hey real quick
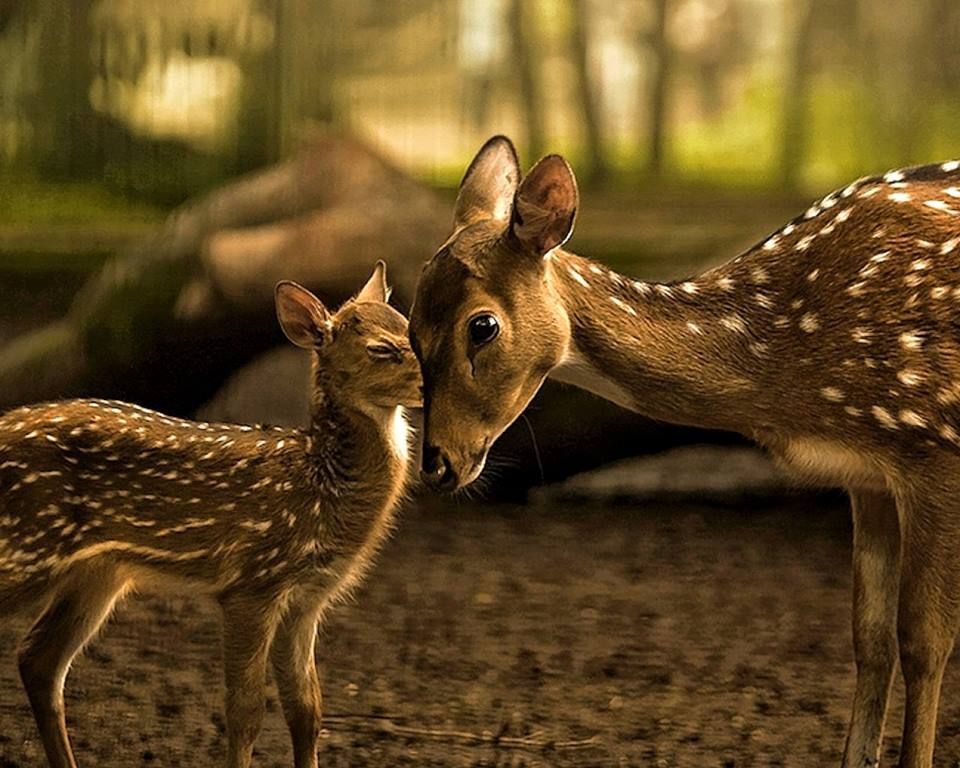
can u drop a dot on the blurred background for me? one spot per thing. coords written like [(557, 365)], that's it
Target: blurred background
[(163, 164), (695, 126)]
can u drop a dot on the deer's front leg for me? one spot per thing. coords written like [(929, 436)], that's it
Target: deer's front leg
[(249, 626), (876, 579), (295, 670)]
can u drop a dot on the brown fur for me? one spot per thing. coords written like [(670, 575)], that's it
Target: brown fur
[(835, 342), (100, 497)]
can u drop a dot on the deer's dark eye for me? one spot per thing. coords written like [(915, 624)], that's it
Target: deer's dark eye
[(483, 329)]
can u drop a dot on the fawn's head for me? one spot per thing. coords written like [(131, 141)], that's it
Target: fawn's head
[(485, 323), (362, 349)]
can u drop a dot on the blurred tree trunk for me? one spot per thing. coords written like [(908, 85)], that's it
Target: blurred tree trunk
[(523, 49), (163, 323), (66, 127), (259, 134), (795, 92), (589, 107), (660, 87)]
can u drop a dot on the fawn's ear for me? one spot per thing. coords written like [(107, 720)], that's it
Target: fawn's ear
[(303, 318), (376, 288), (489, 184), (546, 205)]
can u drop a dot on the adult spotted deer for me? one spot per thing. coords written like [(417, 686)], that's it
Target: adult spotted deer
[(835, 343), (98, 498)]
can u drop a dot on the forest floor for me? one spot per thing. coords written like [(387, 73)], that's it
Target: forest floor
[(665, 635)]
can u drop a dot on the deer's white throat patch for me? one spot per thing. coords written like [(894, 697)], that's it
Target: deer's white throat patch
[(576, 370)]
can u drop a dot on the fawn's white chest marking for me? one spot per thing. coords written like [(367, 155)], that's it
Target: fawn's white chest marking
[(398, 432)]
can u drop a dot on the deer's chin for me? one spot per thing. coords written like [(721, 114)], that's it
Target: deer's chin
[(473, 472)]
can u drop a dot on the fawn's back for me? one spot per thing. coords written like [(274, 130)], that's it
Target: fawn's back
[(211, 504)]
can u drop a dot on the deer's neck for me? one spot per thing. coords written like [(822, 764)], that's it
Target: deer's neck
[(690, 353)]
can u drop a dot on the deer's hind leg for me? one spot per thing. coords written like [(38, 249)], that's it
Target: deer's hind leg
[(295, 670), (929, 605), (876, 583), (80, 604)]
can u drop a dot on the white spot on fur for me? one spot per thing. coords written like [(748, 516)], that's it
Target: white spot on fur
[(809, 323), (625, 307), (771, 243), (832, 394), (883, 417), (949, 433), (949, 245), (725, 284), (912, 418), (852, 410), (911, 340), (804, 242), (951, 165), (578, 277), (763, 300), (900, 197), (694, 328), (734, 323), (939, 205), (788, 230), (663, 290), (813, 275), (891, 176), (909, 378), (689, 287)]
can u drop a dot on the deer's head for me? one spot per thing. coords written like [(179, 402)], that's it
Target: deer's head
[(485, 323), (362, 349)]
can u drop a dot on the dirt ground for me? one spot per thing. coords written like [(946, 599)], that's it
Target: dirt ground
[(521, 636)]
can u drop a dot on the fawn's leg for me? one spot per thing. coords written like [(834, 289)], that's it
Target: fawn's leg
[(295, 669), (249, 625), (929, 609), (876, 584), (78, 608)]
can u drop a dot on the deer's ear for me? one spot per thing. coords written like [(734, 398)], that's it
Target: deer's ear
[(546, 205), (489, 184), (303, 318), (376, 288)]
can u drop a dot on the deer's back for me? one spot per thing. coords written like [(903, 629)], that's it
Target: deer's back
[(856, 306)]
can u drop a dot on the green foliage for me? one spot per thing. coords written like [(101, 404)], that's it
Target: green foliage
[(738, 147), (27, 201)]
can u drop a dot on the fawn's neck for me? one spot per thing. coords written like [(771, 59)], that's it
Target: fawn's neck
[(352, 443), (687, 353)]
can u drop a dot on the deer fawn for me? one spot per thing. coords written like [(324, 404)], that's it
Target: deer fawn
[(835, 343), (101, 497)]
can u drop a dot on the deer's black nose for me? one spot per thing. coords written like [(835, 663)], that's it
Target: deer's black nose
[(436, 471)]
